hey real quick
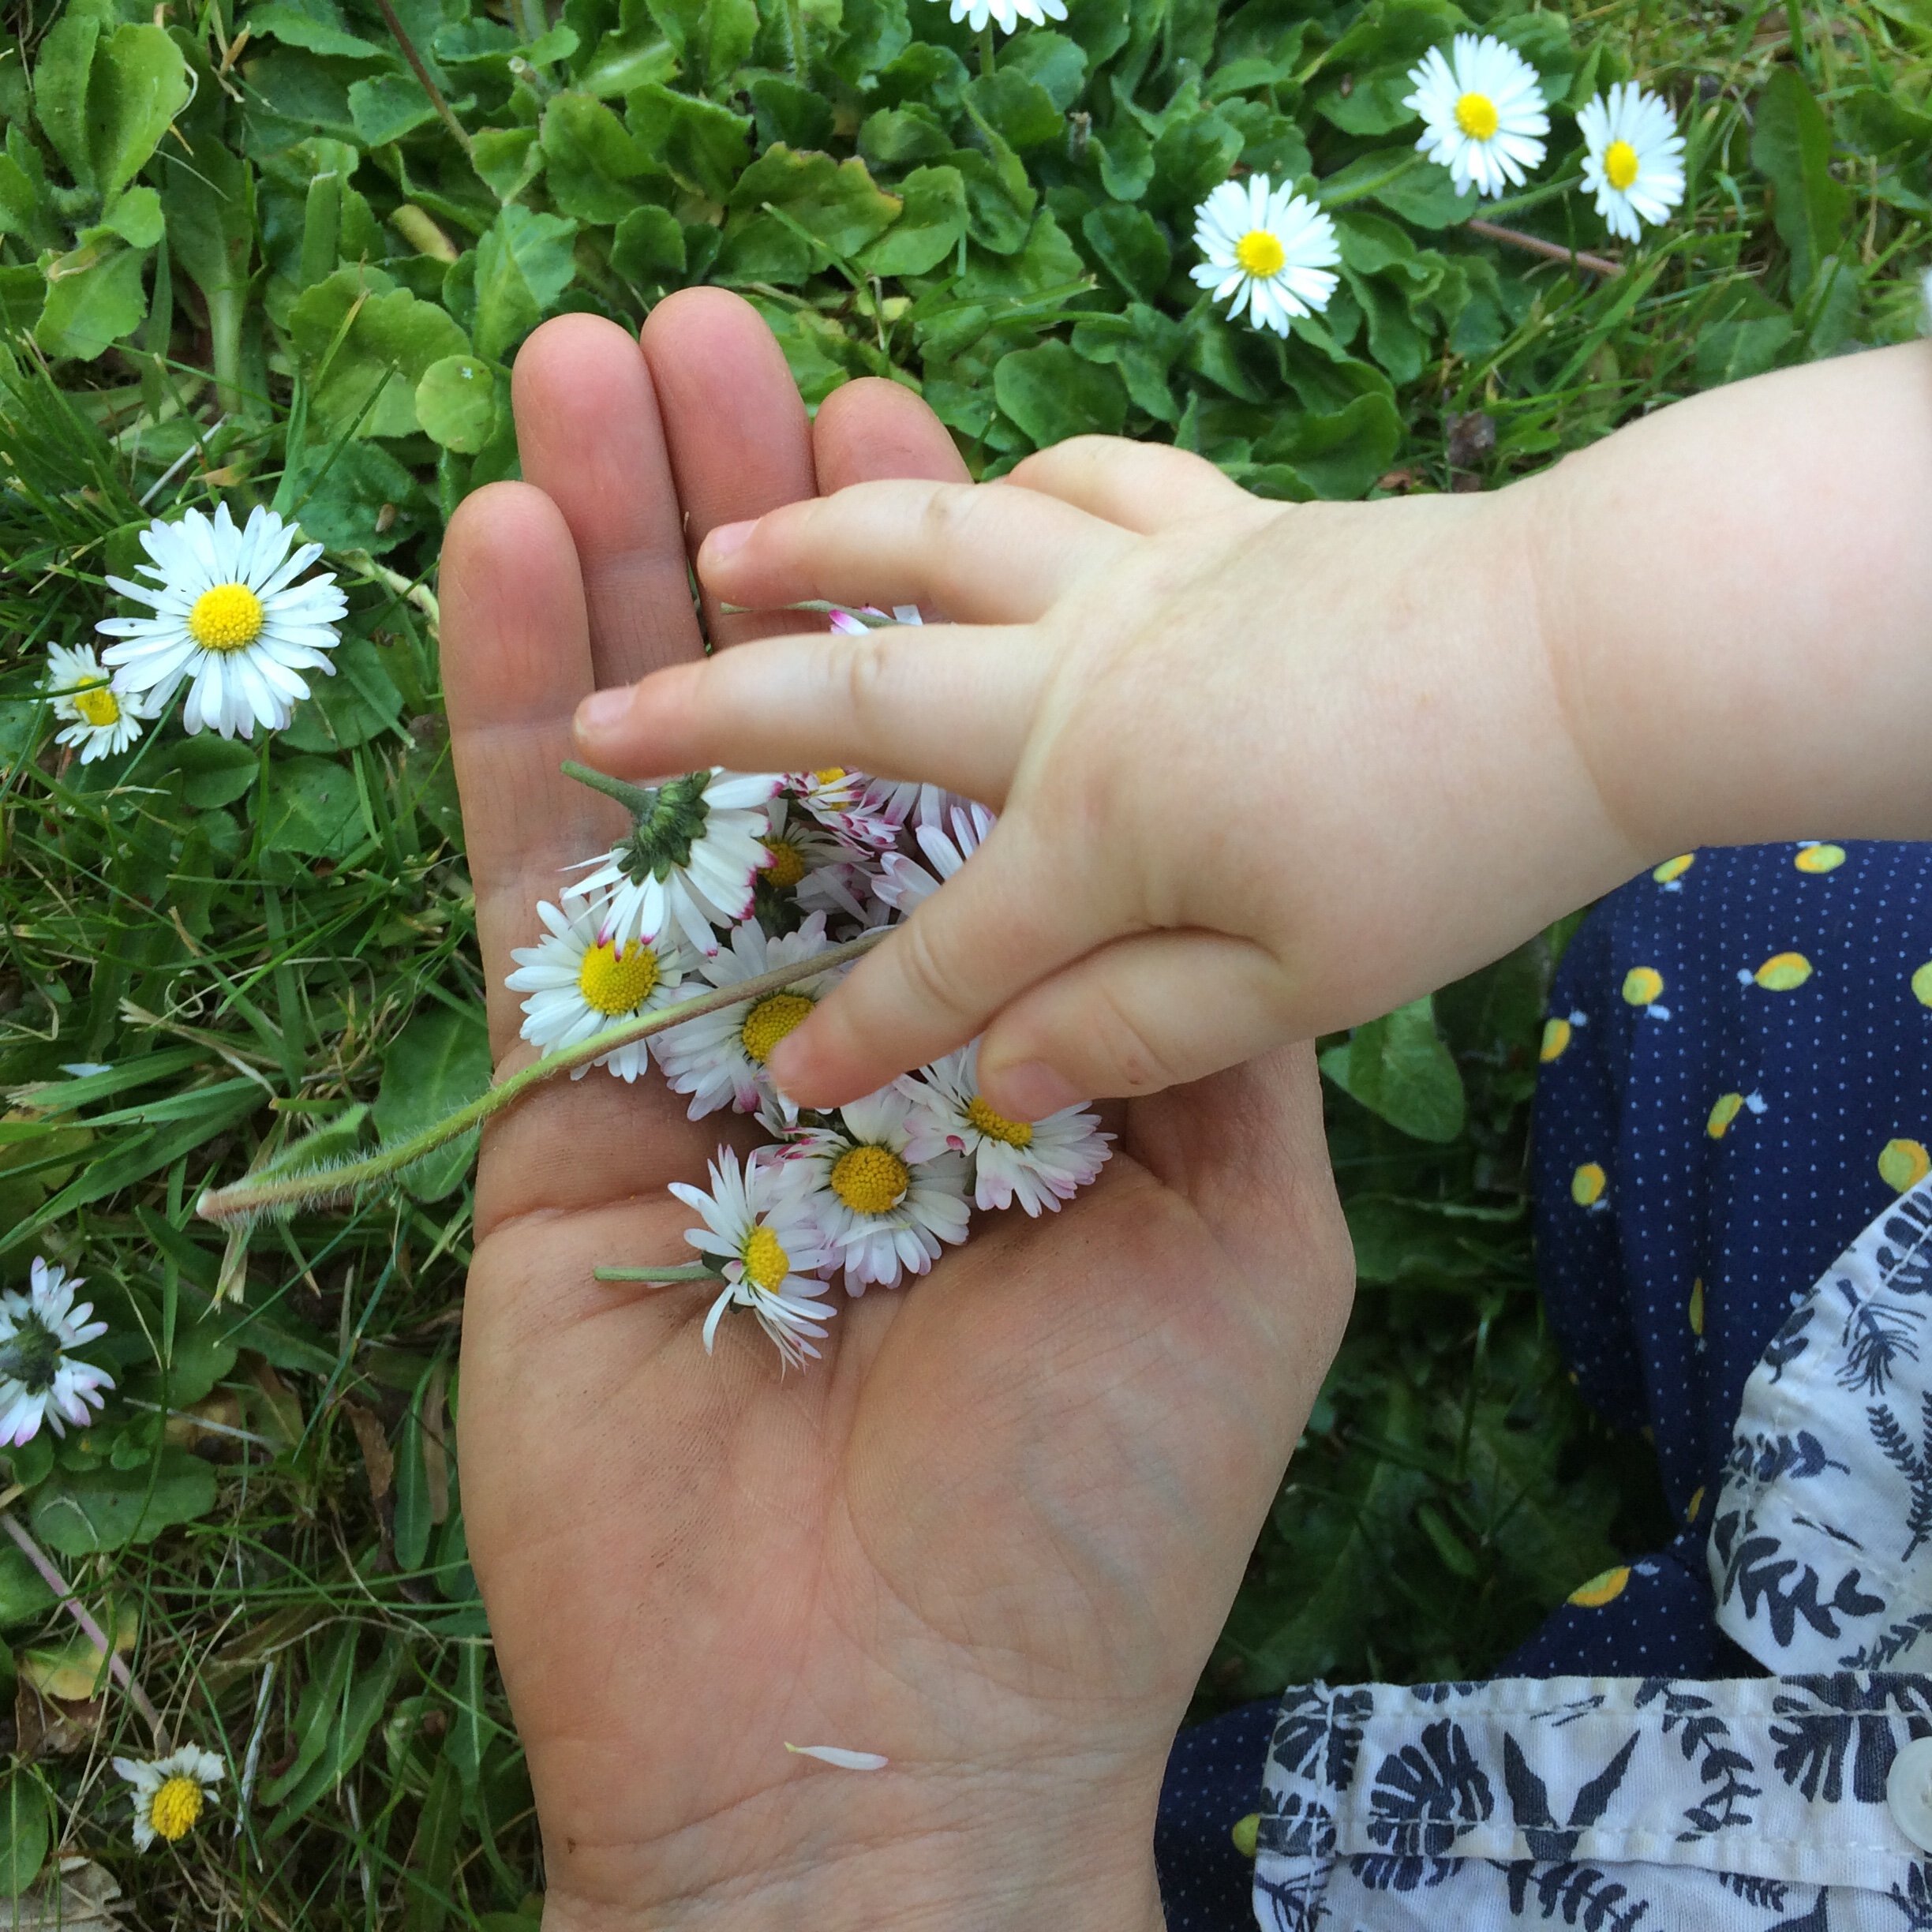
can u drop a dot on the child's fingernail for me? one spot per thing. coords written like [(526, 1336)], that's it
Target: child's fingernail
[(1032, 1090), (726, 538), (604, 710)]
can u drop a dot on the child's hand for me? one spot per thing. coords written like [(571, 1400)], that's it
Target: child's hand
[(1263, 770)]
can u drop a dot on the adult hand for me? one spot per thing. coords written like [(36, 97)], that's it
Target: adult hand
[(993, 1534)]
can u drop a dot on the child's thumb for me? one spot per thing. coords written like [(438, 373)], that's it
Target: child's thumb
[(1137, 1016)]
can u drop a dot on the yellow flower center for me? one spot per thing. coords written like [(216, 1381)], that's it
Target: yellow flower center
[(97, 706), (615, 982), (227, 618), (766, 1263), (769, 1021), (997, 1126), (1476, 115), (175, 1807), (787, 863), (871, 1180), (829, 775), (1619, 164), (1260, 253)]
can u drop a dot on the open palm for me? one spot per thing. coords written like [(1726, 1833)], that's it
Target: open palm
[(992, 1535)]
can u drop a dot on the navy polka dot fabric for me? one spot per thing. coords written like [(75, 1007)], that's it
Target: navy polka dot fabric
[(1736, 1077)]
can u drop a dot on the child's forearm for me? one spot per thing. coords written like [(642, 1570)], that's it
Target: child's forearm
[(1737, 602)]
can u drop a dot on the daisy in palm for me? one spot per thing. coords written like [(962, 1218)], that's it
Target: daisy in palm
[(802, 846), (1038, 1163), (1272, 250), (94, 716), (906, 882), (580, 980), (170, 1793), (39, 1379), (887, 1191), (719, 1057), (687, 864), (1484, 116), (229, 618), (765, 1239), (1633, 160)]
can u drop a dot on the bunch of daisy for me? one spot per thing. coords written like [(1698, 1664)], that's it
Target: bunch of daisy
[(729, 879)]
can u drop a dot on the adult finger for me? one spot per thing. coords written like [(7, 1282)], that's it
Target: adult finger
[(949, 706), (983, 553), (734, 425), (1144, 487), (1137, 1016), (590, 437), (871, 427), (1011, 913)]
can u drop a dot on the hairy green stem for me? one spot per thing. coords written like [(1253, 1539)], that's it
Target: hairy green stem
[(282, 1193), (636, 799), (986, 50), (672, 1272)]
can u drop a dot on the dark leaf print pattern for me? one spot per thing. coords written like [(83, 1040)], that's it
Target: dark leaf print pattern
[(1914, 1900), (1756, 1571), (1790, 1341), (1579, 1894), (1425, 1798), (1915, 1466), (1704, 1740), (1814, 1745), (1886, 1648), (1529, 1803), (1878, 1338), (1817, 1919), (1766, 1894)]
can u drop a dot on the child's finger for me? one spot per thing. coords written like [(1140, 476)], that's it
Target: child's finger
[(982, 553), (1009, 914), (1144, 487), (939, 702), (1154, 1011)]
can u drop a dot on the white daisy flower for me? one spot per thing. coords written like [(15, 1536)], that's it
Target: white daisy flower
[(1039, 1163), (688, 863), (1272, 250), (1007, 14), (801, 844), (1633, 158), (39, 1379), (97, 718), (169, 1794), (906, 882), (719, 1057), (1483, 112), (888, 1191), (580, 982), (230, 615), (766, 1238)]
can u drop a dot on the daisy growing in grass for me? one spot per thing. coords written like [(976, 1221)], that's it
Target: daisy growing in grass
[(95, 717), (1633, 161), (39, 1379), (1270, 249), (1007, 14), (1483, 112), (580, 982), (170, 1793), (228, 619)]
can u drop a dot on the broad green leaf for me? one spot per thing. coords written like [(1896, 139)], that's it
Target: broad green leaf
[(711, 37), (647, 246), (1191, 157), (902, 136), (24, 1597), (216, 771), (138, 85), (785, 111), (313, 808), (1730, 351), (456, 399), (308, 27), (81, 1513), (703, 145), (361, 701), (26, 1831), (1058, 64), (95, 298), (1052, 394), (1398, 1067), (928, 230), (837, 202), (1791, 147), (1021, 111), (1129, 244), (440, 1062), (590, 159), (385, 107), (61, 73), (523, 264), (343, 1719), (345, 496), (135, 216), (509, 159), (391, 339), (999, 201)]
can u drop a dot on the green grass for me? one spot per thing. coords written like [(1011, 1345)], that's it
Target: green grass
[(271, 941)]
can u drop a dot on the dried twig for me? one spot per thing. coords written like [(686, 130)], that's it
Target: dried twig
[(1550, 251)]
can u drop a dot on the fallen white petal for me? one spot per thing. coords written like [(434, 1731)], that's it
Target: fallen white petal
[(845, 1760)]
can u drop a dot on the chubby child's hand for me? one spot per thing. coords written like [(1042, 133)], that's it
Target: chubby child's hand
[(1263, 770)]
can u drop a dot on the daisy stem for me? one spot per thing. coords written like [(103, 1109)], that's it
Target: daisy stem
[(685, 1272), (1550, 251), (986, 50), (636, 799), (79, 1611), (281, 1193)]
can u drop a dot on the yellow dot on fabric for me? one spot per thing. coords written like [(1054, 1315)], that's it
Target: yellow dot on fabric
[(871, 1180), (1556, 1034), (175, 1807), (1260, 253), (1246, 1834), (1672, 869), (1729, 1107), (1587, 1185), (766, 1263), (97, 706), (1602, 1590), (1922, 984), (787, 863), (615, 982), (1695, 1504), (228, 618), (1817, 859), (1903, 1164), (1696, 1310), (997, 1126), (1477, 116), (1783, 972), (1642, 984), (769, 1020), (1619, 164)]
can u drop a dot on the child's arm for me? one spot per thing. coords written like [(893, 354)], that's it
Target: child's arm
[(1268, 770)]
